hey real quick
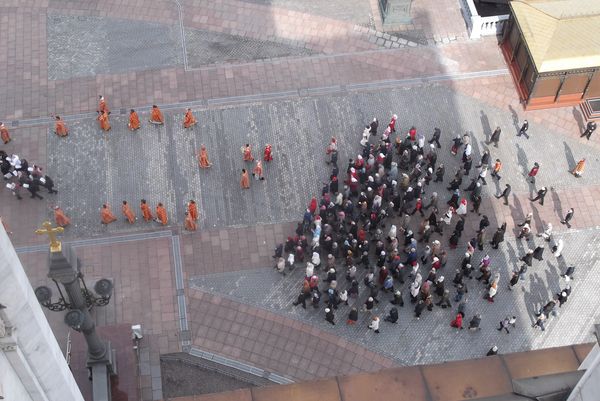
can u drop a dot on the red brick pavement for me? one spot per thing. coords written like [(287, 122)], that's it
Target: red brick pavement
[(273, 342), (233, 249), (144, 293), (499, 91)]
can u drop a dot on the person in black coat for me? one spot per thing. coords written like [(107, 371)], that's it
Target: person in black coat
[(436, 137), (541, 194), (589, 130), (419, 308), (373, 126), (528, 258), (352, 316), (329, 316), (393, 316), (495, 138), (397, 299), (523, 130), (498, 236), (569, 272), (504, 194), (538, 252)]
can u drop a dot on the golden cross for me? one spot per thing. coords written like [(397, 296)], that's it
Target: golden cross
[(51, 232)]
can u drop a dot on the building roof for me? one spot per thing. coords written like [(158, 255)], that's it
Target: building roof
[(473, 379), (560, 34)]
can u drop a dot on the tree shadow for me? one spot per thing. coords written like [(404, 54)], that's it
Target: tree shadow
[(515, 118), (569, 155), (485, 124), (579, 118), (557, 203)]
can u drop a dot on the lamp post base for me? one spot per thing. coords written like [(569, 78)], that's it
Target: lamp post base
[(102, 369)]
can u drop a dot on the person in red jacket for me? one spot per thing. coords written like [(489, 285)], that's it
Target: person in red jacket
[(533, 172)]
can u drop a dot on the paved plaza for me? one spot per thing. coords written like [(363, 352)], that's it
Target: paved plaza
[(291, 74)]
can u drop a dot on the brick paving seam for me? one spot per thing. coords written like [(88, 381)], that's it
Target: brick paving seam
[(270, 96), (431, 339)]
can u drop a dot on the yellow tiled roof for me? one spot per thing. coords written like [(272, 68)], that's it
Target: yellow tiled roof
[(560, 34)]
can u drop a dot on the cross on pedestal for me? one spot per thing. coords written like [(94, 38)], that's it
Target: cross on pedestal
[(55, 245)]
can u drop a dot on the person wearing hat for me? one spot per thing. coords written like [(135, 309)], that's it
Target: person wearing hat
[(374, 324), (369, 304), (541, 194), (329, 316), (493, 351)]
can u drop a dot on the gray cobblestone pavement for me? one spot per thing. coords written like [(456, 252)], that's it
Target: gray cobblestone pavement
[(206, 47), (357, 11), (431, 339), (159, 163), (86, 46)]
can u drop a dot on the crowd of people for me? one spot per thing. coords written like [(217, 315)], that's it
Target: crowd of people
[(22, 176), (106, 215), (364, 220)]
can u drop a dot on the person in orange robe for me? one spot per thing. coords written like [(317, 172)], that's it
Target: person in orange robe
[(102, 106), (104, 122), (579, 168), (189, 222), (248, 154), (134, 120), (203, 158), (107, 215), (146, 210), (60, 128), (268, 155), (245, 181), (156, 116), (4, 134), (193, 209), (161, 214), (189, 119), (258, 171), (128, 213), (60, 217)]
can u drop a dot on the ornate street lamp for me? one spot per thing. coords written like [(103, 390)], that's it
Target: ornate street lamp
[(65, 269)]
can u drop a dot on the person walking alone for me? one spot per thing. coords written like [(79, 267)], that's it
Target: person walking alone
[(496, 169), (541, 194), (533, 172), (495, 138), (568, 217), (504, 194), (523, 130), (589, 130)]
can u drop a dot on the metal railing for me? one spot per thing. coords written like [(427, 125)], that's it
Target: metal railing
[(479, 26)]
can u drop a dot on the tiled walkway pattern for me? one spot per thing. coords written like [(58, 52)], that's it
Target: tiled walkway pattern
[(346, 54)]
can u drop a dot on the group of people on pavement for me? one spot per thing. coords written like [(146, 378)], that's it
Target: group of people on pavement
[(358, 248), (19, 176)]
